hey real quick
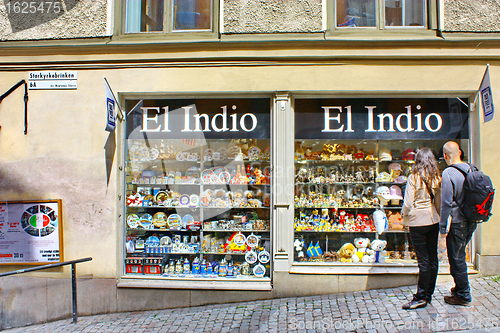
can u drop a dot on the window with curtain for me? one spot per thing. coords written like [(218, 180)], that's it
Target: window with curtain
[(366, 13), (152, 15)]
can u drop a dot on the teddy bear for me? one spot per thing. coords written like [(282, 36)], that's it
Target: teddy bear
[(299, 247), (362, 248), (378, 247), (395, 221), (346, 252)]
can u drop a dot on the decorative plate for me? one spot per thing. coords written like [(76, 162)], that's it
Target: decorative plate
[(251, 257), (219, 170), (232, 151), (174, 221), (253, 153), (206, 176), (186, 219), (252, 240), (223, 153), (161, 196), (146, 218), (165, 241), (146, 221), (225, 177), (264, 257), (193, 172), (143, 154), (208, 155), (153, 154), (194, 200), (184, 200), (152, 241), (239, 239), (266, 154), (160, 220), (259, 270), (179, 156), (133, 220)]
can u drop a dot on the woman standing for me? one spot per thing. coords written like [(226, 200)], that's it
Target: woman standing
[(420, 212)]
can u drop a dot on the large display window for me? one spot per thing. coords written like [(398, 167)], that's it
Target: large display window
[(198, 193), (352, 160)]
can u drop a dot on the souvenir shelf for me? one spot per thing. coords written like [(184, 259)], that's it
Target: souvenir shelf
[(198, 211), (338, 187)]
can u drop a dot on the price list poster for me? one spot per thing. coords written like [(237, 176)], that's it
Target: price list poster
[(30, 232)]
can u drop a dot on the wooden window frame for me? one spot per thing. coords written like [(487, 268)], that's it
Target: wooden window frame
[(168, 33), (380, 30)]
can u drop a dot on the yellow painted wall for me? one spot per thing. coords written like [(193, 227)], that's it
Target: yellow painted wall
[(63, 155)]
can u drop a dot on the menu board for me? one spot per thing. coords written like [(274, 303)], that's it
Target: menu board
[(31, 232)]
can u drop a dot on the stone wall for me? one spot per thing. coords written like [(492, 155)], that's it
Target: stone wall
[(472, 16), (272, 16), (67, 19)]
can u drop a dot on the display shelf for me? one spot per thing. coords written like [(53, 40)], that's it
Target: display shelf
[(224, 253), (226, 190), (163, 230), (351, 232), (235, 230), (338, 161), (336, 207)]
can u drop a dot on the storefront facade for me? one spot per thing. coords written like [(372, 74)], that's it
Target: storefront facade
[(240, 173)]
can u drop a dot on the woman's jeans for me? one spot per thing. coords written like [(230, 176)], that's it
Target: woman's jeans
[(425, 243), (456, 242)]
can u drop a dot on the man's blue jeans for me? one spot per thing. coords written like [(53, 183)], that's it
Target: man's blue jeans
[(458, 237)]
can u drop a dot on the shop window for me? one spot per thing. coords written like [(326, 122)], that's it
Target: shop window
[(165, 16), (352, 160), (373, 13), (198, 175)]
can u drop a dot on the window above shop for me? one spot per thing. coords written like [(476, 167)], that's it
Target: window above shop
[(380, 16), (168, 17)]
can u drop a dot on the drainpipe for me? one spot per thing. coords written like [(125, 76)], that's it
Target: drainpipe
[(440, 18)]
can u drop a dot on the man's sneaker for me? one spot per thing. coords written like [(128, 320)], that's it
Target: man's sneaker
[(414, 304), (452, 291), (454, 300)]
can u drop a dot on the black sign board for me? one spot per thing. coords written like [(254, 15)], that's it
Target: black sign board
[(381, 118), (210, 118)]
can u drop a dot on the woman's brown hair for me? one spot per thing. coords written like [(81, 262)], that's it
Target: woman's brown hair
[(426, 167)]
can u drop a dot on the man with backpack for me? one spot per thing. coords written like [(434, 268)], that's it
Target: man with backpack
[(454, 224)]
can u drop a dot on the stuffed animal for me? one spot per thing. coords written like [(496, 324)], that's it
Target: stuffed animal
[(346, 252), (362, 249), (299, 247), (395, 221), (331, 256), (378, 247)]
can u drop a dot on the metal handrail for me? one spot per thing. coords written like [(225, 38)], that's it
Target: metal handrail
[(73, 277)]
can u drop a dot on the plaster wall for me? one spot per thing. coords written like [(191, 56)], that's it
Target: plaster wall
[(70, 19), (272, 16), (472, 15)]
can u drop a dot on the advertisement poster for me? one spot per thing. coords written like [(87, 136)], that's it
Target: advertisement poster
[(30, 232)]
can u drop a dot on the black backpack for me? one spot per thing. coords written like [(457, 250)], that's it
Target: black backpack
[(478, 194)]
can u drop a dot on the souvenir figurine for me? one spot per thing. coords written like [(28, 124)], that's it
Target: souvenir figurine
[(203, 267), (196, 266), (223, 268), (186, 266), (178, 267)]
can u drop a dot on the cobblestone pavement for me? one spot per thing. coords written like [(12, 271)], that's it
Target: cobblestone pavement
[(367, 311)]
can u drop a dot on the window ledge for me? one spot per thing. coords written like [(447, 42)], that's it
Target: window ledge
[(364, 269), (140, 281)]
